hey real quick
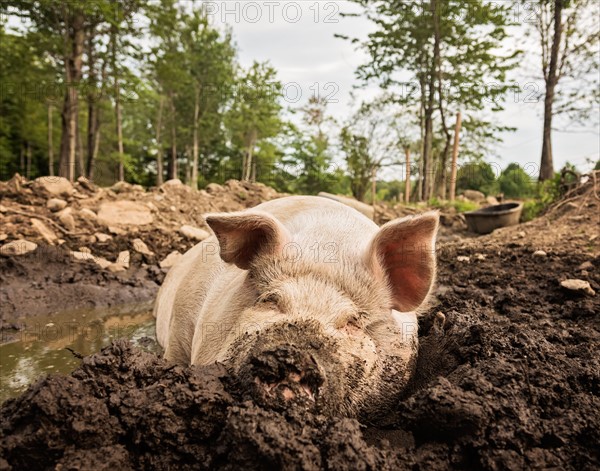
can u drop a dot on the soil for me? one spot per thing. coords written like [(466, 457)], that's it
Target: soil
[(511, 381), (508, 377)]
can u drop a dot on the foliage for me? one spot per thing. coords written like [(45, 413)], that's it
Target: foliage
[(435, 57), (478, 176), (514, 182)]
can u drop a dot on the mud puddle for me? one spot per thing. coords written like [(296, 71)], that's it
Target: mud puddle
[(52, 344)]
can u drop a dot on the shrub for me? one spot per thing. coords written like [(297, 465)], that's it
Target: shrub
[(515, 183)]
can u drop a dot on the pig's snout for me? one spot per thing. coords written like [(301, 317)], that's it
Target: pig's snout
[(286, 373)]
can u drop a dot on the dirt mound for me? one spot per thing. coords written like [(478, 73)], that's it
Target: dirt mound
[(99, 246), (511, 381)]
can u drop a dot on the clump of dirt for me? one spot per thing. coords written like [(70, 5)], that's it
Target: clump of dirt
[(510, 380)]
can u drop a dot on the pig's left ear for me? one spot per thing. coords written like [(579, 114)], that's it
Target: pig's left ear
[(403, 253), (245, 234)]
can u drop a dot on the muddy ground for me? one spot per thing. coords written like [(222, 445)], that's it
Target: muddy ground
[(512, 382)]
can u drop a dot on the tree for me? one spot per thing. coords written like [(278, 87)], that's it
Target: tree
[(255, 113), (210, 61), (441, 46), (478, 176), (359, 162), (168, 70), (515, 183), (311, 157), (27, 127), (569, 35)]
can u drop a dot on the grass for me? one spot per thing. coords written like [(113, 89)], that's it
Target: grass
[(459, 206)]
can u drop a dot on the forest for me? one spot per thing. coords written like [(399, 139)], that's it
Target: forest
[(150, 91)]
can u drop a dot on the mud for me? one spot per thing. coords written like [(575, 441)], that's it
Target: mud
[(511, 380)]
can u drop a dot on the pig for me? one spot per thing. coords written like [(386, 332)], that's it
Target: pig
[(303, 299)]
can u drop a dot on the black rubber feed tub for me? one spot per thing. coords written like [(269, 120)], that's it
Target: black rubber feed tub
[(485, 220)]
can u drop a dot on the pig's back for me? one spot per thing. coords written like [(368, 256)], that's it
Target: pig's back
[(313, 219)]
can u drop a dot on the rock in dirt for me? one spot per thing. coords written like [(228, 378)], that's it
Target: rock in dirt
[(126, 213), (56, 186), (121, 263), (87, 214), (539, 254), (580, 286), (474, 195), (86, 184), (171, 259), (102, 262), (194, 233), (116, 267), (140, 247), (17, 247), (82, 255), (463, 259), (47, 233), (123, 258), (213, 188), (102, 237), (66, 218), (56, 204), (586, 266), (173, 182)]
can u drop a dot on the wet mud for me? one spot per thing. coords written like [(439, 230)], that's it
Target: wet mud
[(507, 378)]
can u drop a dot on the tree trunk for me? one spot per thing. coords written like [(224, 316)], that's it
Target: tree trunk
[(249, 156), (194, 178), (373, 186), (75, 35), (22, 159), (28, 154), (188, 167), (551, 78), (119, 129), (118, 114), (422, 129), (92, 105), (50, 143), (443, 164), (455, 156), (80, 159), (91, 163), (159, 155), (173, 167), (407, 179), (427, 151)]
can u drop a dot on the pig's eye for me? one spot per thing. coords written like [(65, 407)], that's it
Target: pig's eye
[(269, 298)]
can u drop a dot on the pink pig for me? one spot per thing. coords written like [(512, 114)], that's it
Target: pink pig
[(304, 299)]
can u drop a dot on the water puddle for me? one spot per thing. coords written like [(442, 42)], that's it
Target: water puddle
[(42, 346)]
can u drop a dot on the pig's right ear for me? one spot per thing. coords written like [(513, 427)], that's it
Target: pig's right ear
[(403, 254), (244, 235)]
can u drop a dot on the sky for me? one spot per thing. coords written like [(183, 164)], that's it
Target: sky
[(297, 38)]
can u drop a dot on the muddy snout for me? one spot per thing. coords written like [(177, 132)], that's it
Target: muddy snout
[(286, 373)]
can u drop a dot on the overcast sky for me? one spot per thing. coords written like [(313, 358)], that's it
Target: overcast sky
[(297, 38)]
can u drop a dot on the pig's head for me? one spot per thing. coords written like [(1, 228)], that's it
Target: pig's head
[(325, 332)]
